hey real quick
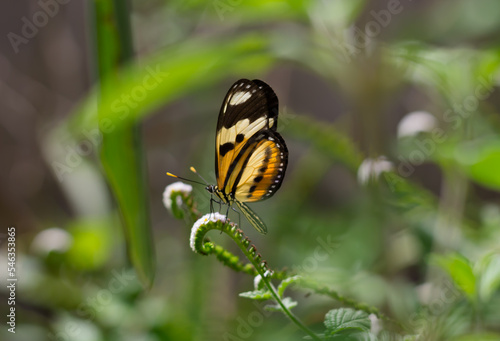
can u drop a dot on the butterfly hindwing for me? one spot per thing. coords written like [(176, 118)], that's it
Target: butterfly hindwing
[(253, 218), (263, 173)]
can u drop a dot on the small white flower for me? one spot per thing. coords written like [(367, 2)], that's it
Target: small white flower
[(256, 281), (415, 122), (371, 169), (268, 273), (214, 217), (375, 324), (175, 187), (52, 239)]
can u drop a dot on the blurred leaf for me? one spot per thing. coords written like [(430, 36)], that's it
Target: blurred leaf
[(162, 78), (91, 244), (338, 320), (479, 337), (123, 160), (121, 152), (460, 271), (238, 11), (287, 301), (490, 275), (327, 139), (262, 294), (409, 197), (285, 283), (335, 17), (452, 72), (481, 161)]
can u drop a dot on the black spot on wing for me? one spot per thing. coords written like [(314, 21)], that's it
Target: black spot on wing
[(251, 190), (269, 152), (225, 148), (258, 178), (281, 165), (240, 138)]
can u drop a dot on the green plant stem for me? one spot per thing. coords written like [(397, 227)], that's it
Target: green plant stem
[(323, 290), (269, 286), (286, 311), (250, 252)]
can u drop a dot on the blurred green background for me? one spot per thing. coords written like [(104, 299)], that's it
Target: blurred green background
[(390, 111)]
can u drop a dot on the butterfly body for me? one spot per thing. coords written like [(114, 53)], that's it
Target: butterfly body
[(251, 156)]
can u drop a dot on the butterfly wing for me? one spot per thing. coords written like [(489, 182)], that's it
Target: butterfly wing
[(253, 218), (249, 108), (251, 157), (263, 170)]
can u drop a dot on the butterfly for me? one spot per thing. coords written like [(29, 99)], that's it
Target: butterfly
[(251, 157)]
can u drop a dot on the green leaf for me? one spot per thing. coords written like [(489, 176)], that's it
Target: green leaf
[(479, 337), (324, 137), (285, 283), (490, 276), (91, 243), (481, 161), (262, 294), (460, 271), (123, 160), (287, 301), (121, 151), (408, 197), (137, 90), (342, 319)]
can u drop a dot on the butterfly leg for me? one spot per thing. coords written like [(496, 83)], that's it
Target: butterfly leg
[(227, 212), (212, 200), (239, 216)]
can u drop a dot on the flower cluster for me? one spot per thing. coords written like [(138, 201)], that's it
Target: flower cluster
[(210, 217), (176, 187)]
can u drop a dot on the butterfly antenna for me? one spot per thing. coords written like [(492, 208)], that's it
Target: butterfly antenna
[(195, 172), (179, 177)]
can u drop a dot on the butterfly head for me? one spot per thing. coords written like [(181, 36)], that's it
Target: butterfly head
[(214, 189)]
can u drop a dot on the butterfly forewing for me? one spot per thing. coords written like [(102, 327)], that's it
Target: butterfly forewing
[(248, 108), (250, 100)]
